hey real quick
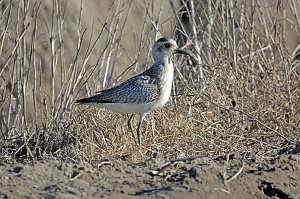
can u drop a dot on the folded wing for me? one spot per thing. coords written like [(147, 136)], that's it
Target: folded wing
[(139, 89)]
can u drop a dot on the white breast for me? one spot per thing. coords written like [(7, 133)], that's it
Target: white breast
[(166, 84)]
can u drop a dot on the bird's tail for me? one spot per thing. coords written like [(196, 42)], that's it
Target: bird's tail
[(85, 101)]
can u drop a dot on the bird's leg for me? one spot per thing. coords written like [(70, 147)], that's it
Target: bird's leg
[(142, 117), (130, 127)]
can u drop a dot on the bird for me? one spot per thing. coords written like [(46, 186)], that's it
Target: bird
[(147, 91)]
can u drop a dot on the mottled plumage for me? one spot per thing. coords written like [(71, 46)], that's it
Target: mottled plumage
[(144, 92), (143, 88)]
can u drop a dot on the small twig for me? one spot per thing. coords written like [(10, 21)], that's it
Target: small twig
[(223, 190), (105, 162), (75, 177), (168, 163), (189, 158), (235, 175)]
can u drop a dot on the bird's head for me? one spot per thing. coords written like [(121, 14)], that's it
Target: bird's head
[(165, 48)]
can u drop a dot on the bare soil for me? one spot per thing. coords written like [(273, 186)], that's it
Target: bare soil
[(229, 177)]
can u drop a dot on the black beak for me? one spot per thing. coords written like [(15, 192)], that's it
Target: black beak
[(194, 60), (178, 50)]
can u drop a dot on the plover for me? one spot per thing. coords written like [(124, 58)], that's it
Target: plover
[(142, 93)]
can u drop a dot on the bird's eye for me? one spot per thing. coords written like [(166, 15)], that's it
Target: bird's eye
[(167, 45)]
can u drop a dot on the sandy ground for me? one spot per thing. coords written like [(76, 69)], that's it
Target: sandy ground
[(155, 178)]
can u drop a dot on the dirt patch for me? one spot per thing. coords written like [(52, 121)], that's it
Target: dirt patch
[(154, 178)]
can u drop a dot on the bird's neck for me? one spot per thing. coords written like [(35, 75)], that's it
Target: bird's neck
[(165, 68), (163, 61)]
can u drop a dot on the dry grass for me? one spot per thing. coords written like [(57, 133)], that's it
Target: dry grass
[(243, 98)]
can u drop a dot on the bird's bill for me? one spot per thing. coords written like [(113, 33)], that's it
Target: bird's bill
[(195, 61), (182, 51)]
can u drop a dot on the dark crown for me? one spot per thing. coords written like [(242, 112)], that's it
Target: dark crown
[(163, 39)]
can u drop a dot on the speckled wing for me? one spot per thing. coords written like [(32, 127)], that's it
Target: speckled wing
[(138, 89)]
